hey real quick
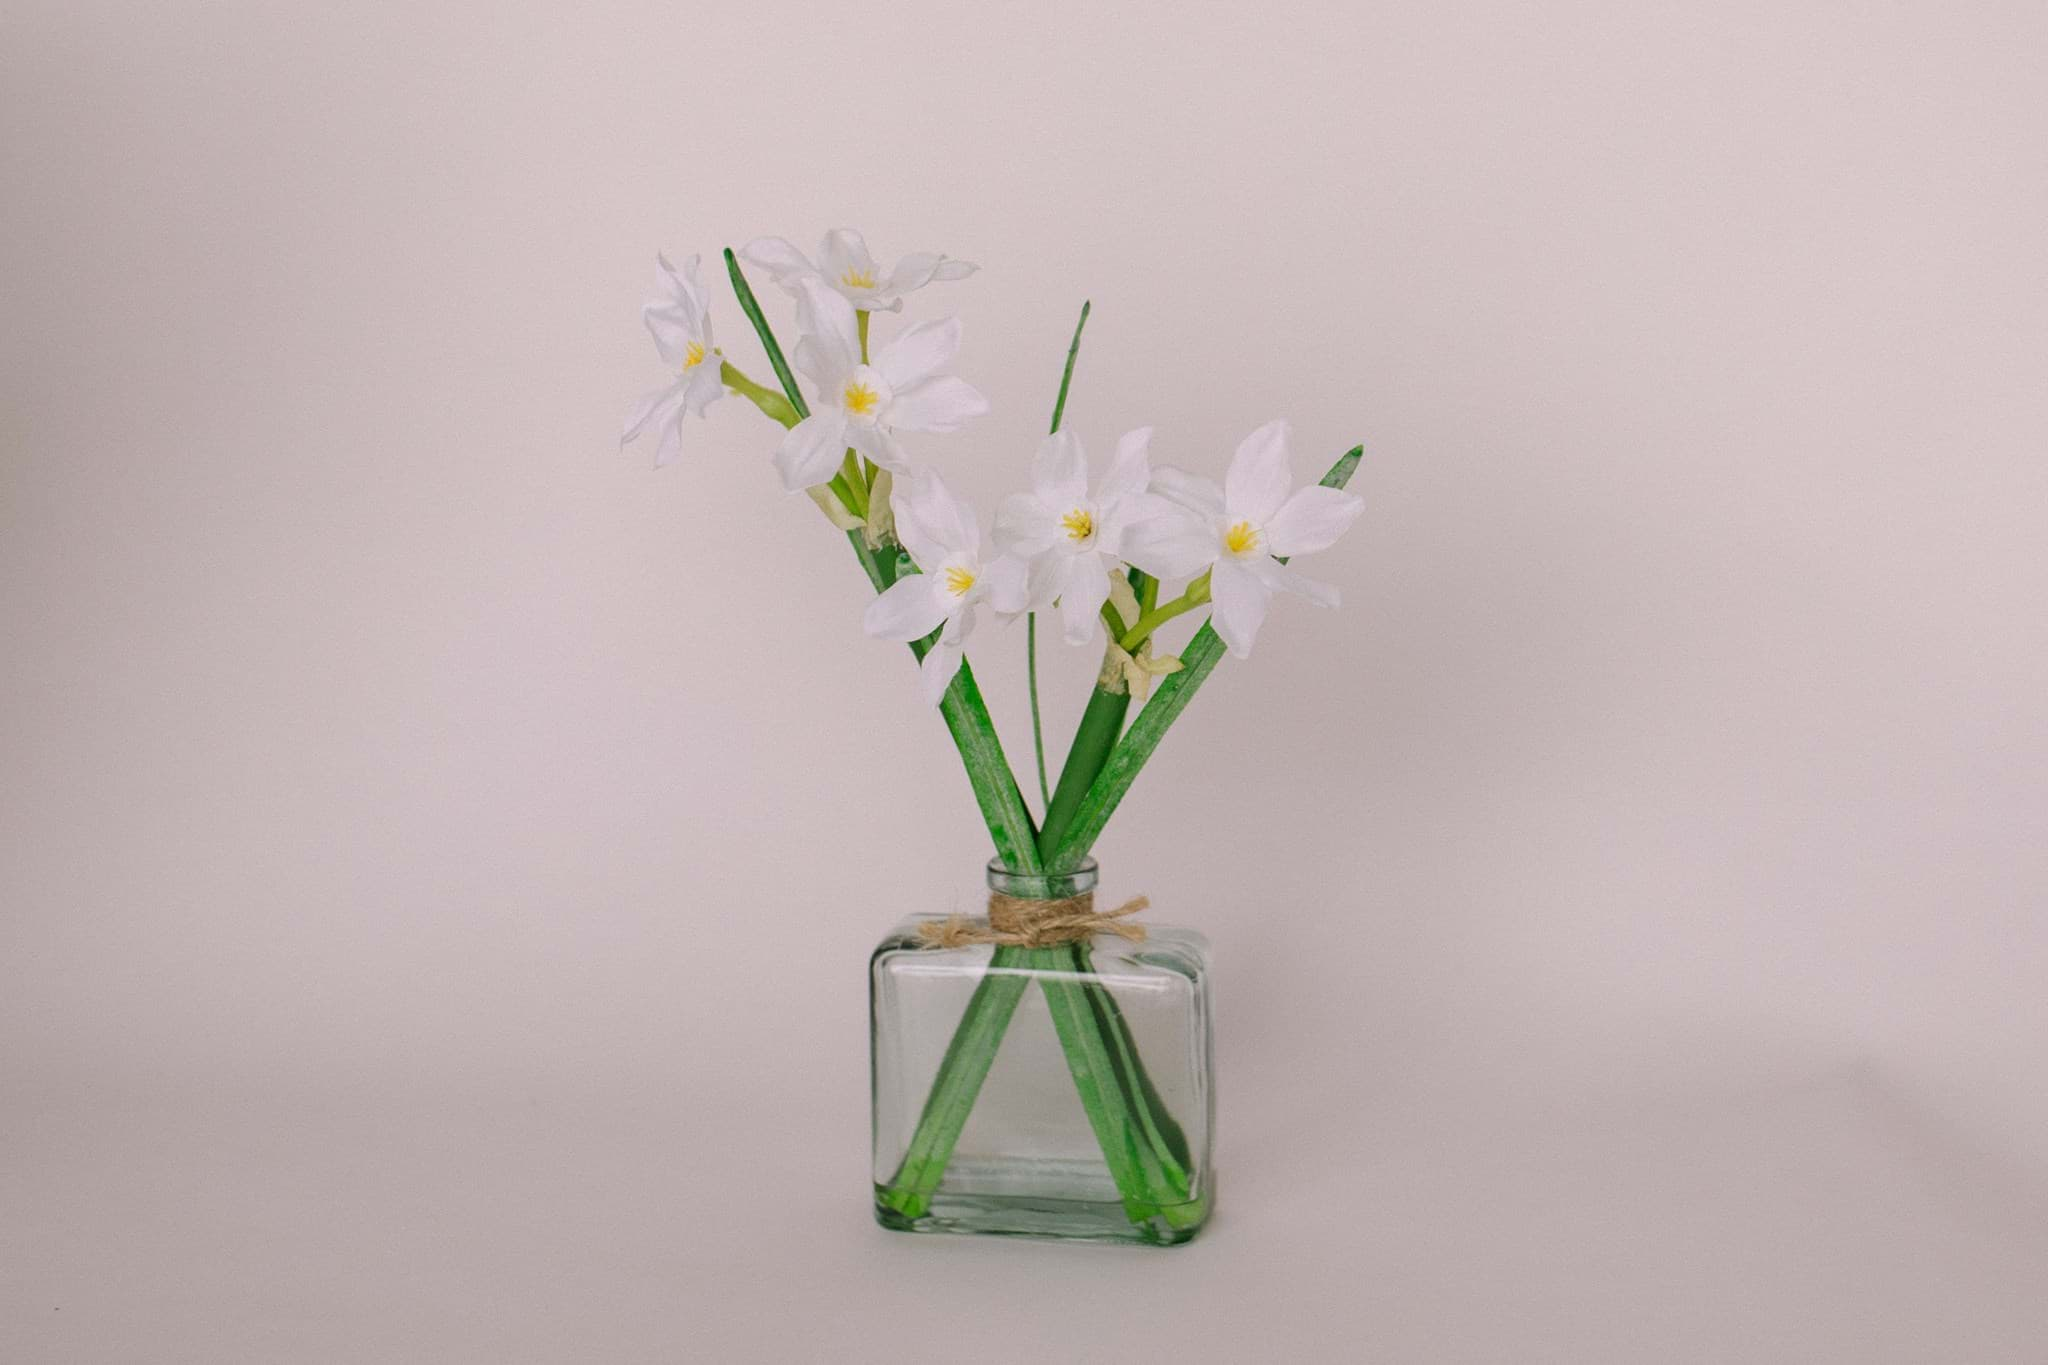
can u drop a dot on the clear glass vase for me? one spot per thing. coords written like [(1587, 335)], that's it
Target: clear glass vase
[(1053, 1089)]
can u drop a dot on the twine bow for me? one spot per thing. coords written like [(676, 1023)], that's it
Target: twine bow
[(1014, 922)]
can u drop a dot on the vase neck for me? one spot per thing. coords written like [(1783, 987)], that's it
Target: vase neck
[(1040, 886)]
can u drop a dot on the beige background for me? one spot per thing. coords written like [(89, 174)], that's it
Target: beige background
[(438, 852)]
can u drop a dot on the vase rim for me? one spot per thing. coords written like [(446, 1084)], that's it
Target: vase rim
[(1076, 881)]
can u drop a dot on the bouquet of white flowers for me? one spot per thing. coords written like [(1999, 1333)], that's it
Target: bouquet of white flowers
[(1096, 549)]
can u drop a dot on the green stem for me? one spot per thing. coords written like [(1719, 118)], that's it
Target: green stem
[(880, 574), (957, 1085), (988, 768), (1161, 1148), (1037, 726), (1197, 594), (1161, 1129), (1059, 412), (766, 399), (1101, 722), (1069, 847), (1090, 1062)]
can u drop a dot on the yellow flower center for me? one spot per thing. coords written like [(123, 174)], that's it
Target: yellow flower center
[(855, 278), (1078, 524), (958, 581), (860, 399), (693, 355), (1241, 539)]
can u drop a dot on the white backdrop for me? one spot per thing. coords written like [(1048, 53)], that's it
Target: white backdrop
[(438, 853)]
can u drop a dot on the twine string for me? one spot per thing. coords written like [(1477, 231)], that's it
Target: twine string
[(1016, 922)]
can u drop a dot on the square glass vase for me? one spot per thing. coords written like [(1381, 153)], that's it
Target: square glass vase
[(1042, 1088)]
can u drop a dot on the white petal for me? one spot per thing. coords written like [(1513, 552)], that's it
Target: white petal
[(679, 292), (919, 353), (815, 363), (827, 318), (672, 333), (1059, 471), (702, 387), (1118, 516), (942, 404), (1047, 577), (911, 609), (1279, 577), (783, 262), (880, 445), (920, 268), (1191, 491), (843, 252), (1240, 606), (1177, 544), (1009, 584), (1087, 588), (1311, 520), (645, 409), (1043, 579), (873, 442), (961, 623), (1260, 474), (668, 447), (1024, 525), (811, 450), (1130, 469), (935, 674), (932, 524)]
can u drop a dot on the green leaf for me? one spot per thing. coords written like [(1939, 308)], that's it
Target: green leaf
[(752, 308), (1059, 407)]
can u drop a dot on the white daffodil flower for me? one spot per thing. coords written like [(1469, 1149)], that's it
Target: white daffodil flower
[(1073, 539), (944, 540), (1242, 531), (844, 264), (680, 321), (863, 405)]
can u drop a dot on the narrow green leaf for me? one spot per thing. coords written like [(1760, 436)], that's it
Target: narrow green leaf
[(1059, 407), (752, 308)]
